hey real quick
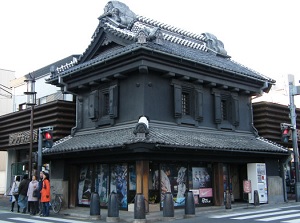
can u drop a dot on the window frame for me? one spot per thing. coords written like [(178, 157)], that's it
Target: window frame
[(230, 100), (103, 104), (195, 102)]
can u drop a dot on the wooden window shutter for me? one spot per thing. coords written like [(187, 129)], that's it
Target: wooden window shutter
[(198, 105), (218, 108), (235, 110), (93, 105), (177, 101), (113, 101)]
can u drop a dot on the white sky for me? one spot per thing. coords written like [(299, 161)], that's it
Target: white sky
[(263, 35)]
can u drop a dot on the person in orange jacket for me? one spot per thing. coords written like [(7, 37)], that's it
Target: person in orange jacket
[(45, 195)]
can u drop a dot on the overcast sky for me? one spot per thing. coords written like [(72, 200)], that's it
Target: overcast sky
[(263, 35)]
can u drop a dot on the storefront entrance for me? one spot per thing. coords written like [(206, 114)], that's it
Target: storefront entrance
[(122, 179)]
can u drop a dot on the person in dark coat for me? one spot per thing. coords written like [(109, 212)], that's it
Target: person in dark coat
[(23, 188)]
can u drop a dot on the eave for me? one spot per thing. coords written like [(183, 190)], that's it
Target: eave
[(122, 64)]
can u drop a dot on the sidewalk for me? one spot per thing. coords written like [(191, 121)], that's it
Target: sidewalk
[(83, 213)]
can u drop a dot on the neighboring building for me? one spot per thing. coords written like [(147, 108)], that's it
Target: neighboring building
[(161, 109), (267, 117), (53, 108), (44, 92), (5, 91), (279, 94), (5, 107)]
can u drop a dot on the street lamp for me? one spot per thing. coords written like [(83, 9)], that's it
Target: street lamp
[(294, 90), (31, 101)]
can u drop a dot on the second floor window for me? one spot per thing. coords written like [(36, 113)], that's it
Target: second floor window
[(185, 99), (188, 102), (226, 108), (105, 104)]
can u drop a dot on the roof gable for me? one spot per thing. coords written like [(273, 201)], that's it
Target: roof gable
[(120, 31), (119, 24)]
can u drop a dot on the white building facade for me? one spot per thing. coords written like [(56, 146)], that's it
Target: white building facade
[(5, 107)]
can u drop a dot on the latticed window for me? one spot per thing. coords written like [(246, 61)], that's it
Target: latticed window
[(185, 100), (106, 104), (224, 110)]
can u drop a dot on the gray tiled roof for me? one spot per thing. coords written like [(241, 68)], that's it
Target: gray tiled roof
[(205, 58), (177, 42), (46, 70), (169, 137)]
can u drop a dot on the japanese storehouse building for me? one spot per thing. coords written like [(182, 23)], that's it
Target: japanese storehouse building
[(161, 109)]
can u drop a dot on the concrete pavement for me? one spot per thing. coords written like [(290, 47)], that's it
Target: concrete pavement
[(126, 216)]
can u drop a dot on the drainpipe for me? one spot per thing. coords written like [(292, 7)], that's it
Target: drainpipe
[(252, 124)]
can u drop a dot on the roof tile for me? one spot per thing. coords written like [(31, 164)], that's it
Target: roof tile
[(161, 136)]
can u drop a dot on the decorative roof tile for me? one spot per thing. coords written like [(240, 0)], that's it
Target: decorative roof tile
[(204, 49)]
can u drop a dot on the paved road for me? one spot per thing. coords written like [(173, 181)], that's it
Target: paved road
[(9, 217), (279, 214)]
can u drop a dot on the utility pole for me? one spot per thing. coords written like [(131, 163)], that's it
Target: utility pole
[(294, 90)]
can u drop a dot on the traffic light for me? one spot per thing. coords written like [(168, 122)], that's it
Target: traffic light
[(47, 138), (285, 132)]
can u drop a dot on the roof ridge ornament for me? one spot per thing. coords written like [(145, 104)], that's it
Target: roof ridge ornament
[(215, 45), (118, 14), (142, 127), (149, 34)]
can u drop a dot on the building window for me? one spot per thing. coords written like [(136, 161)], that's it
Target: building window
[(103, 105), (188, 102), (185, 99), (106, 104), (226, 109)]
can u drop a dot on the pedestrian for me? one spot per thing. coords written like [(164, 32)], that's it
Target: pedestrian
[(39, 194), (14, 192), (165, 181), (45, 194), (23, 188), (32, 194)]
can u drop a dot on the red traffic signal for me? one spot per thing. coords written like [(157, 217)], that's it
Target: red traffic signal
[(48, 135), (48, 139), (285, 135)]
